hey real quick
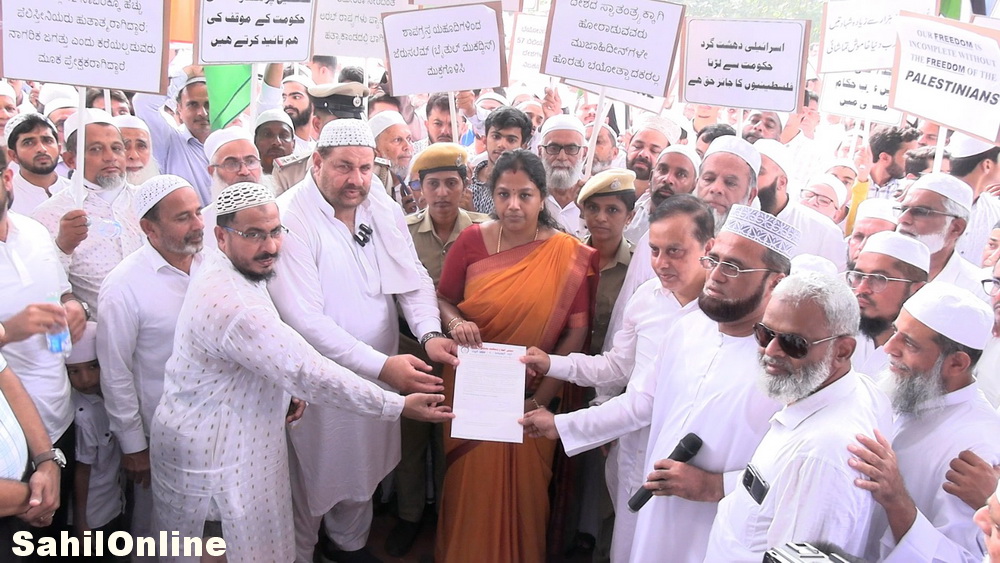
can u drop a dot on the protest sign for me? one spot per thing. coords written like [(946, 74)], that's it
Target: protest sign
[(352, 28), (860, 94), (946, 71), (231, 31), (527, 39), (106, 45), (859, 34), (753, 64), (629, 46), (445, 49), (506, 5), (983, 21), (635, 99)]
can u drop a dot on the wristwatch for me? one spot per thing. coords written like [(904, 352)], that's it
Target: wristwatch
[(429, 335), (86, 308), (55, 455)]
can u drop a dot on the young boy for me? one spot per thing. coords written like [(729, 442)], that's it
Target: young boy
[(98, 499)]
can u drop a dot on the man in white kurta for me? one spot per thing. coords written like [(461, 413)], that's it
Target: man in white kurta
[(218, 438), (347, 261), (798, 486), (939, 335), (976, 163), (33, 145)]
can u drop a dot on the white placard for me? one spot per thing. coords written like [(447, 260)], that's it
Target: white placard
[(753, 64), (947, 72), (635, 99), (983, 21), (103, 44), (507, 5), (238, 32), (489, 393), (859, 34), (352, 28), (629, 46), (527, 41), (445, 49), (861, 94)]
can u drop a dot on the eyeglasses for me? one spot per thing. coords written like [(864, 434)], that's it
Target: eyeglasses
[(820, 199), (234, 164), (877, 282), (727, 269), (991, 286), (919, 212), (261, 236), (796, 346), (553, 149)]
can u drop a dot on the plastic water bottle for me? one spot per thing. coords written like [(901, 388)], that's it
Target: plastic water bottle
[(57, 338), (107, 228)]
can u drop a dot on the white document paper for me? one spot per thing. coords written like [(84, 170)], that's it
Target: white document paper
[(489, 394)]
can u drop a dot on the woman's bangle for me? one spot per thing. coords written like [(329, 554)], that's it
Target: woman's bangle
[(537, 406), (454, 323)]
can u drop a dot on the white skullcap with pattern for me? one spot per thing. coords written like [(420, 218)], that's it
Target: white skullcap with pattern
[(346, 133), (154, 189), (763, 228), (130, 122), (243, 195)]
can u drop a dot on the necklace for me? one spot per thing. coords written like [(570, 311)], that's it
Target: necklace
[(500, 238)]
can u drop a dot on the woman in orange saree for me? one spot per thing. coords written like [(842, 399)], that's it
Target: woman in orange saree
[(515, 280)]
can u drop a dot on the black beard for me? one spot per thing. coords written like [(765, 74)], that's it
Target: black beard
[(871, 327), (722, 311), (768, 196), (40, 171), (302, 118)]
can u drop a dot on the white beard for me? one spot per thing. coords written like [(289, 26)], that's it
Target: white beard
[(797, 385), (147, 172), (561, 179)]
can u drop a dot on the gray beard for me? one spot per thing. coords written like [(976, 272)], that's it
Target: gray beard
[(720, 220), (914, 389), (562, 178), (798, 384), (110, 182), (600, 165)]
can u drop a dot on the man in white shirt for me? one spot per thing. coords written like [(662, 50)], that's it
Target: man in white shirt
[(940, 335), (219, 456), (935, 211), (674, 172), (140, 300), (798, 486), (978, 164), (31, 143), (94, 227), (564, 150), (692, 388), (394, 144), (889, 270), (299, 107), (651, 136), (232, 158), (348, 251), (139, 162), (681, 233), (764, 125)]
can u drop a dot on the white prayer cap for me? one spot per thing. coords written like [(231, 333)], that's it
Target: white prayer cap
[(813, 263), (384, 120), (845, 162), (762, 227), (777, 152), (876, 208), (51, 91), (299, 78), (276, 114), (7, 90), (90, 116), (962, 145), (782, 116), (563, 122), (834, 183), (952, 312), (154, 189), (491, 96), (737, 146), (663, 125), (221, 137), (242, 195), (605, 126), (58, 103), (130, 122), (946, 185), (84, 350), (685, 150), (901, 247), (346, 133), (18, 119)]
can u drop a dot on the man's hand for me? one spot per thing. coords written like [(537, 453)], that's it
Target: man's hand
[(442, 350), (76, 319), (467, 334), (44, 500), (971, 479), (406, 374), (877, 461), (536, 362), (552, 103), (675, 478), (465, 102), (72, 230), (37, 318), (540, 423), (136, 467), (426, 408), (296, 408)]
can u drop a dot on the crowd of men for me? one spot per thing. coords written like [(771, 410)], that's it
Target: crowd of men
[(257, 341)]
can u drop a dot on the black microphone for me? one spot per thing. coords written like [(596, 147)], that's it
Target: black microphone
[(683, 452)]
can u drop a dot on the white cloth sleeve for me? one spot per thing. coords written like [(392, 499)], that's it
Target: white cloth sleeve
[(117, 335)]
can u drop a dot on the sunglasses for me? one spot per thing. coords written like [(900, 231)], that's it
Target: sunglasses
[(797, 347)]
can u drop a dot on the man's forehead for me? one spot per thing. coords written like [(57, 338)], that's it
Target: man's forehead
[(676, 160), (725, 163), (871, 262), (237, 148), (872, 225), (923, 197), (736, 247), (650, 136), (134, 133), (563, 136)]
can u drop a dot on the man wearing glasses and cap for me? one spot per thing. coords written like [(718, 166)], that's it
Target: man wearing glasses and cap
[(977, 164)]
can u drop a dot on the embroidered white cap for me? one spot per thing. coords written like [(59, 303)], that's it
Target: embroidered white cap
[(346, 133), (242, 195), (763, 228), (155, 189)]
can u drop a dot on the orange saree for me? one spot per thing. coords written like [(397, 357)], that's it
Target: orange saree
[(495, 503)]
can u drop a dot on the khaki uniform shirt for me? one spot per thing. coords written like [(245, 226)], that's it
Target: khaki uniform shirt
[(612, 278)]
